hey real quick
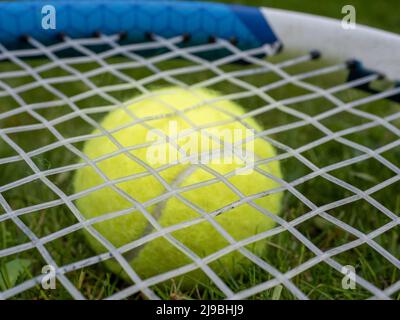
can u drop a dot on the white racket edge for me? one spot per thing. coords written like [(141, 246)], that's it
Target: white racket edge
[(377, 49)]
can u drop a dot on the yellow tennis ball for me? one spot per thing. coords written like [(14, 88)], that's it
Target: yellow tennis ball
[(148, 170)]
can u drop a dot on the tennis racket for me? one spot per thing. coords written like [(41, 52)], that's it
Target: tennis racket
[(328, 101)]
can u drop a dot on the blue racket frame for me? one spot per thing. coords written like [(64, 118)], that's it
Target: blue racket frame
[(78, 19)]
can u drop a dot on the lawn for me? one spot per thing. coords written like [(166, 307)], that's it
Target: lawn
[(285, 252)]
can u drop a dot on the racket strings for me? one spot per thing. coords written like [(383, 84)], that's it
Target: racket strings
[(242, 89)]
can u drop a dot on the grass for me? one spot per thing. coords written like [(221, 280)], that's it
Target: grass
[(284, 251)]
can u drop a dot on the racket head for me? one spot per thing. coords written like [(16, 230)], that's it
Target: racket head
[(245, 34)]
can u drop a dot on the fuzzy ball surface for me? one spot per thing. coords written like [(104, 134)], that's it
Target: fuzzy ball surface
[(142, 165)]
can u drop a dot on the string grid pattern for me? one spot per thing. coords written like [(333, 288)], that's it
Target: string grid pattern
[(164, 50)]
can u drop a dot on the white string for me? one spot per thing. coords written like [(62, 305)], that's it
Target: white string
[(198, 64)]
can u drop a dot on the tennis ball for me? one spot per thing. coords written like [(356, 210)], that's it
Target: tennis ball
[(127, 157)]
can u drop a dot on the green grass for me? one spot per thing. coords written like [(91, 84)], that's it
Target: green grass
[(378, 14), (284, 251)]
